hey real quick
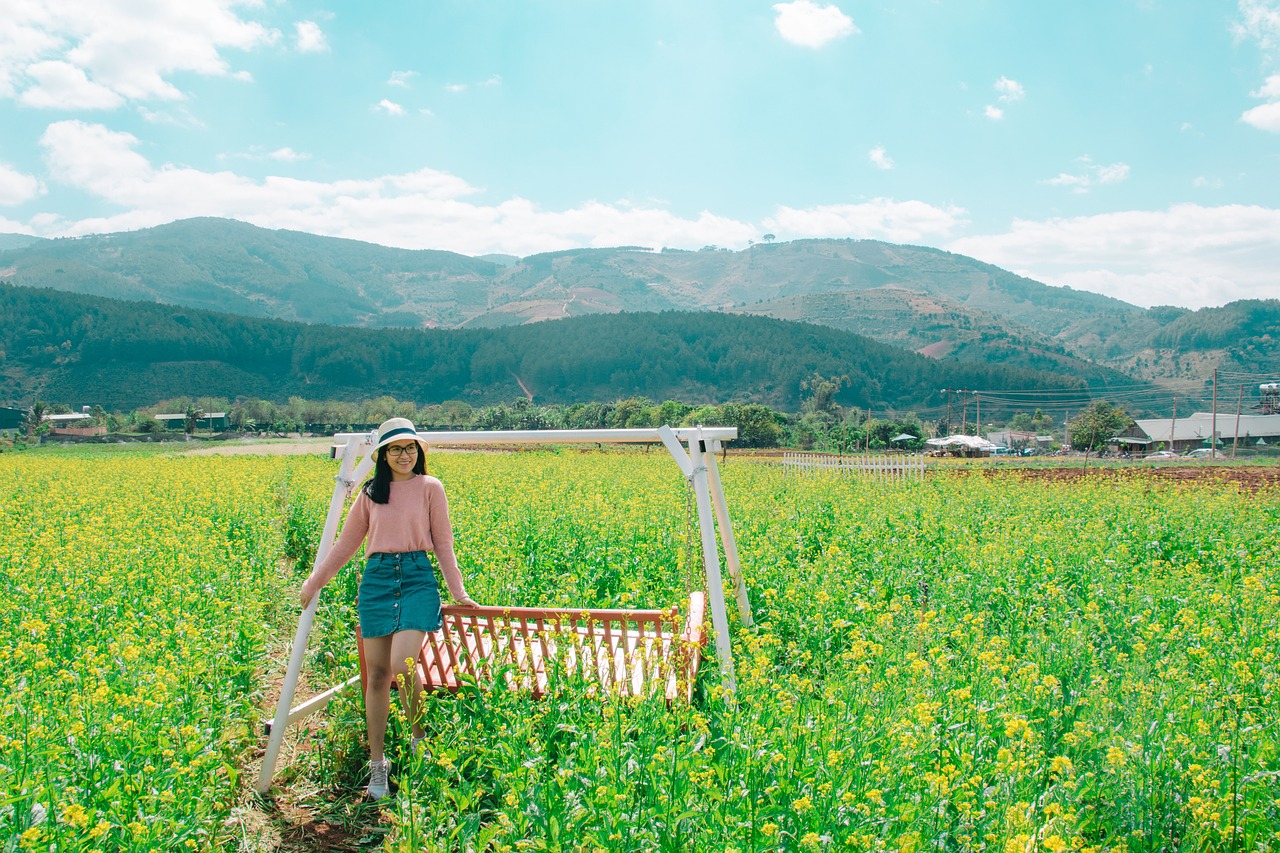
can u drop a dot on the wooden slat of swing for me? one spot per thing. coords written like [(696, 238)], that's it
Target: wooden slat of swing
[(632, 652)]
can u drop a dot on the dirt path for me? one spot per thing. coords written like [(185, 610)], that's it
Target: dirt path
[(296, 815)]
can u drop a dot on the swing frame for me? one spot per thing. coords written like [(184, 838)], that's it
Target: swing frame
[(697, 463)]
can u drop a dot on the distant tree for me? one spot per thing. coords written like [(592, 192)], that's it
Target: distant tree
[(35, 419), (455, 413), (671, 412), (191, 418), (768, 238), (820, 396), (1095, 425), (1037, 423), (633, 413)]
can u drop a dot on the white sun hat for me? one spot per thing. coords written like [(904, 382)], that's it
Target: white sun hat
[(395, 429)]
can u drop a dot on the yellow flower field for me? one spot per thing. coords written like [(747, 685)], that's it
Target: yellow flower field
[(967, 663)]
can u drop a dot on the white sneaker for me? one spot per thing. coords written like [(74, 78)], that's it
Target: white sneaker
[(378, 772)]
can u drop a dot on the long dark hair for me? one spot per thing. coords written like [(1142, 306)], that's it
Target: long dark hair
[(378, 487)]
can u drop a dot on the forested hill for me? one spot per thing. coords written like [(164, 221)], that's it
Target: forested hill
[(124, 355)]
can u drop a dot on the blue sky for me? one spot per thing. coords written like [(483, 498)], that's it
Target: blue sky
[(1129, 147)]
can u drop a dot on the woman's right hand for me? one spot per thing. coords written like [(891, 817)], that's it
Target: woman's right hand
[(306, 594)]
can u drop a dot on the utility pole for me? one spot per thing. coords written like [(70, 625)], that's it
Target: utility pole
[(1213, 423), (1235, 439), (1173, 424), (947, 391)]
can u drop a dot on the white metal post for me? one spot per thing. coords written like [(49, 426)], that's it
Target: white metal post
[(281, 721), (711, 561), (726, 536)]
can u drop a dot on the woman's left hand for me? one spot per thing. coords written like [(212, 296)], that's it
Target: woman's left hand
[(468, 601)]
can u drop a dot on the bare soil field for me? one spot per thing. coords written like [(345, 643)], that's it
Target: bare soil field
[(1249, 477)]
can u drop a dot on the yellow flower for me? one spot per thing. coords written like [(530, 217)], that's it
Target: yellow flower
[(75, 815), (30, 838), (1020, 843), (1116, 757), (1061, 766)]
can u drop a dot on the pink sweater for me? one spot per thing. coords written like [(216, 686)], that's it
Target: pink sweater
[(416, 518)]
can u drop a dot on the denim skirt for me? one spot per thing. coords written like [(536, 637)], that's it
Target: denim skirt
[(398, 592)]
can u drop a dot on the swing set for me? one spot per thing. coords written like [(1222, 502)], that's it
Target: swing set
[(627, 652)]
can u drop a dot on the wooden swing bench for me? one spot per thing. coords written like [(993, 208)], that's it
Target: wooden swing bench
[(638, 653)]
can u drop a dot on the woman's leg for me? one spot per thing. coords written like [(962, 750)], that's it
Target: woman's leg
[(377, 696), (407, 645)]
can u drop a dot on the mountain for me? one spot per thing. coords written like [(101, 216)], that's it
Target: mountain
[(224, 265), (16, 241), (125, 355), (924, 299)]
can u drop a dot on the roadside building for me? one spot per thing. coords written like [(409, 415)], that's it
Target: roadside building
[(11, 420), (1013, 438), (74, 423), (207, 420), (1194, 431)]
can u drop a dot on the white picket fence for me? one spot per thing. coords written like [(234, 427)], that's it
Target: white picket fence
[(884, 467)]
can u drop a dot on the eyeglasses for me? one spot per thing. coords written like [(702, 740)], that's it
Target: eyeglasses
[(396, 451)]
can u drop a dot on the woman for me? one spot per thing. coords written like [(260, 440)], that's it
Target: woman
[(401, 514)]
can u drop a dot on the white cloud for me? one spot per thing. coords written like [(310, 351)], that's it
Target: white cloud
[(1010, 90), (310, 38), (1264, 117), (288, 155), (421, 209), (1203, 183), (881, 218), (401, 78), (15, 187), (1091, 174), (389, 107), (61, 85), (1270, 89), (805, 23), (487, 83), (179, 117), (1188, 255), (879, 158), (1260, 22), (1113, 174), (78, 54)]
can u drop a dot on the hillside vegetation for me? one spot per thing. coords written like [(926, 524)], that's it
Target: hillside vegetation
[(129, 354)]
